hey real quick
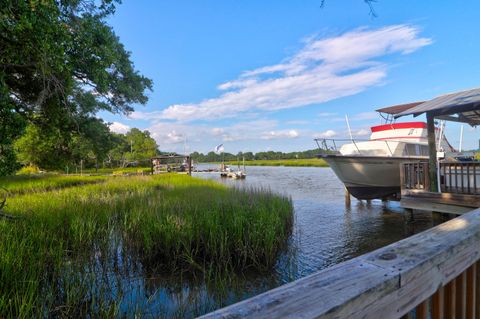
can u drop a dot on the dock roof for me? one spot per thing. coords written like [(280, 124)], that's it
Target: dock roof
[(463, 106), (396, 109)]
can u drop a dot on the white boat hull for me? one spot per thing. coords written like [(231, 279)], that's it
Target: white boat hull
[(369, 177)]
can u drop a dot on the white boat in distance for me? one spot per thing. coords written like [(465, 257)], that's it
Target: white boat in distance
[(371, 168)]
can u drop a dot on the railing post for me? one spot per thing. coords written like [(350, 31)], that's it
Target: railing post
[(450, 300), (471, 279), (477, 289), (432, 151), (421, 311), (438, 304), (460, 295)]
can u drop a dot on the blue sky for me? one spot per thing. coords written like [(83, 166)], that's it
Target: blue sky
[(272, 75)]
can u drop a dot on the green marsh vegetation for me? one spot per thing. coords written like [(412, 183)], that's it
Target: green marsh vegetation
[(81, 238)]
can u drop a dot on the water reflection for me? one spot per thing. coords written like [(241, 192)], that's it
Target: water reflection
[(325, 233)]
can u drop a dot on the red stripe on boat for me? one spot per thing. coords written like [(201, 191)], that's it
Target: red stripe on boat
[(396, 126)]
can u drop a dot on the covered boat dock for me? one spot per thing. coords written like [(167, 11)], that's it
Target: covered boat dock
[(442, 184)]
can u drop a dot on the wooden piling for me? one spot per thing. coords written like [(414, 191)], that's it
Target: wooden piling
[(347, 198)]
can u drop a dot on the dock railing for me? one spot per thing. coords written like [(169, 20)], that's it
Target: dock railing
[(460, 177), (414, 175), (434, 274), (455, 177)]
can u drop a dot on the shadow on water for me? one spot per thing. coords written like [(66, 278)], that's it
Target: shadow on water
[(325, 233)]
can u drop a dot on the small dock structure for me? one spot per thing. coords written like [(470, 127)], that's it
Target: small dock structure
[(171, 163), (443, 184)]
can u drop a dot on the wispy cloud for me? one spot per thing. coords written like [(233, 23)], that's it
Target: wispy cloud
[(323, 70), (364, 116), (326, 134), (118, 127), (172, 135), (280, 134)]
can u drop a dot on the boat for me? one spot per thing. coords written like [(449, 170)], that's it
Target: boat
[(226, 171), (370, 169)]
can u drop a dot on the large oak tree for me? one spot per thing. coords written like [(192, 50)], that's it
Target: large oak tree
[(60, 63)]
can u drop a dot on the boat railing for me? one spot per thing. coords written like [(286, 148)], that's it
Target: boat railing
[(328, 146), (434, 274)]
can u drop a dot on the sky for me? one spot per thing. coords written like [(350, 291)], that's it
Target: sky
[(273, 75)]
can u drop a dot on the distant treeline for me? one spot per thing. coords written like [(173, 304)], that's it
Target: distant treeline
[(250, 156)]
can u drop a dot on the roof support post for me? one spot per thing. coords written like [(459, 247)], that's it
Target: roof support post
[(432, 152)]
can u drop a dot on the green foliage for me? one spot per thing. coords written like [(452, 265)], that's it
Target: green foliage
[(249, 156), (59, 260), (60, 63), (143, 146), (28, 170)]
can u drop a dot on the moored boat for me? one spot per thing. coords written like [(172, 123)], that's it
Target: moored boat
[(371, 168)]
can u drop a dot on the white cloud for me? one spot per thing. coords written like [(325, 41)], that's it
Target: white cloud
[(323, 70), (364, 116), (326, 134), (118, 127), (280, 134), (361, 132), (326, 114), (171, 135)]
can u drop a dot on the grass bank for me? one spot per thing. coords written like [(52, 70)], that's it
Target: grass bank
[(311, 162), (23, 184), (59, 257)]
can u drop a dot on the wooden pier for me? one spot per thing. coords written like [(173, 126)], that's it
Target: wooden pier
[(171, 163), (459, 187)]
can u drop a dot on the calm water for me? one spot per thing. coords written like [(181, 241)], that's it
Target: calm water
[(325, 233)]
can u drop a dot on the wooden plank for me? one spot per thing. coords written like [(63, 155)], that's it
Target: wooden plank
[(402, 178), (322, 294), (469, 191), (450, 311), (438, 304), (432, 152), (470, 299), (388, 282), (475, 178), (460, 295), (477, 289), (426, 205), (421, 310), (426, 177), (446, 198)]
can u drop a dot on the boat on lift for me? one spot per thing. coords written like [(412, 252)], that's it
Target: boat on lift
[(370, 169)]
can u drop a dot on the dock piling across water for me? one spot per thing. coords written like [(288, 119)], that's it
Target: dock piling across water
[(347, 198)]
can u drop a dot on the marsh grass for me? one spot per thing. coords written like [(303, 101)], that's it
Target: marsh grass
[(25, 184), (69, 254)]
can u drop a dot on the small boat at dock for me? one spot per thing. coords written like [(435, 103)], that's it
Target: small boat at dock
[(226, 171)]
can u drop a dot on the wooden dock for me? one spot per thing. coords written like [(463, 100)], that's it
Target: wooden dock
[(459, 186)]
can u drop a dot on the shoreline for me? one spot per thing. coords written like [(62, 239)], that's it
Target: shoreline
[(311, 162)]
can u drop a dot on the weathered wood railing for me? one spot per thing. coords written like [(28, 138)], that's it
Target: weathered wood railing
[(460, 177), (414, 175), (455, 177), (434, 274)]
